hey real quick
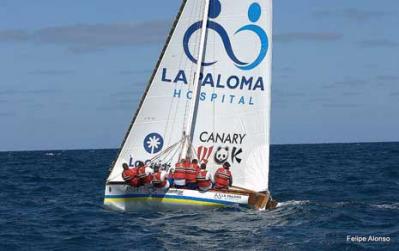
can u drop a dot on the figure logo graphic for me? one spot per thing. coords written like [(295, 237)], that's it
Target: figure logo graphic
[(153, 143), (254, 14), (221, 155), (204, 153)]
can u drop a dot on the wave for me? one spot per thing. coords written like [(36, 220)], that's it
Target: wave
[(52, 154), (293, 203), (339, 204), (387, 205)]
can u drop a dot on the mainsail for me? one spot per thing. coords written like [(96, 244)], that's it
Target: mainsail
[(232, 119)]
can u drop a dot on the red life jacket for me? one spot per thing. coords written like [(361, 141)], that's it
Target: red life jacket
[(156, 180), (141, 172), (191, 173), (149, 178), (142, 175), (202, 181), (222, 178), (130, 176), (180, 172), (186, 163)]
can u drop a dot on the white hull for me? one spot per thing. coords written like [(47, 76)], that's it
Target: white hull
[(125, 198)]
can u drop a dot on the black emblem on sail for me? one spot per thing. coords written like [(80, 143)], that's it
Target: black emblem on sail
[(234, 155), (221, 155)]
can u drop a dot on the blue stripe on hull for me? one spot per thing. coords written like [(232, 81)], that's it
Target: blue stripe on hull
[(125, 196)]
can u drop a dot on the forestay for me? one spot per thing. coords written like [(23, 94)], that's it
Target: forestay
[(233, 116)]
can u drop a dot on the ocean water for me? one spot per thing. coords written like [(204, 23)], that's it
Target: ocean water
[(52, 200)]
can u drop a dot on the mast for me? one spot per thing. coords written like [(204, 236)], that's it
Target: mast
[(193, 108)]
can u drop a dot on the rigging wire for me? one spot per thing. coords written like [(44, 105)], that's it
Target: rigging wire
[(167, 150), (178, 149)]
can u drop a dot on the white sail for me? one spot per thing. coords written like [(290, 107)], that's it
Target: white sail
[(233, 116), (159, 121)]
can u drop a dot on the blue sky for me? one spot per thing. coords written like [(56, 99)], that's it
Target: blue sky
[(72, 72)]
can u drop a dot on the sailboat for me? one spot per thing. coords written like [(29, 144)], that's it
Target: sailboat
[(209, 99)]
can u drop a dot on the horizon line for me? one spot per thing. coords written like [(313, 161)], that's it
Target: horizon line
[(276, 144)]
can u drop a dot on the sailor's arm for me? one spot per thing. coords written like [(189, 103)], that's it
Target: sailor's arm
[(126, 177), (164, 175), (148, 170)]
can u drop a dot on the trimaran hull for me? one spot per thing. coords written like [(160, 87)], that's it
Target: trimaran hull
[(123, 197)]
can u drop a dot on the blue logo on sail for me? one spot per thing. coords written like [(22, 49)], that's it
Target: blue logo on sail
[(153, 143), (215, 9)]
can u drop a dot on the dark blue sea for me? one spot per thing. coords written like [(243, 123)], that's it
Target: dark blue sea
[(52, 200)]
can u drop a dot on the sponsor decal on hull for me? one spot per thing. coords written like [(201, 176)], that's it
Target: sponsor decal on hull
[(226, 196)]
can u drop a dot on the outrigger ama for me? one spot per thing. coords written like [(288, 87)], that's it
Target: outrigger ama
[(236, 37)]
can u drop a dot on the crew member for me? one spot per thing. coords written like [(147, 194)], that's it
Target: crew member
[(160, 178), (191, 173), (223, 177), (171, 172), (204, 179), (144, 173), (130, 175), (179, 174)]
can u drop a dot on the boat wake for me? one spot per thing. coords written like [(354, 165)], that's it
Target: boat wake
[(341, 204)]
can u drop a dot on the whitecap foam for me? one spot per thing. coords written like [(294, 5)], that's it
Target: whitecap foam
[(292, 203), (387, 205)]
